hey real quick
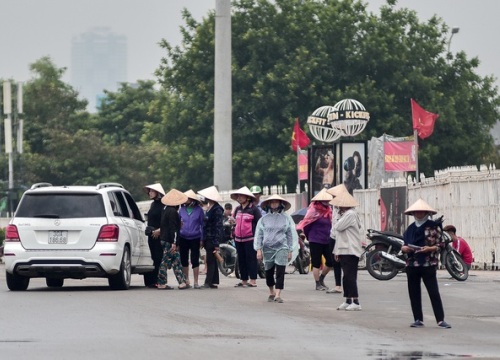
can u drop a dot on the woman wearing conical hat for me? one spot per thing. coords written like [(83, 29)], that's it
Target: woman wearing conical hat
[(316, 226), (423, 242), (246, 214), (192, 221), (169, 235), (276, 243), (214, 234), (348, 249), (155, 193)]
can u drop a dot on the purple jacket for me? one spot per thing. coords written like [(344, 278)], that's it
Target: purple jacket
[(319, 231), (191, 224)]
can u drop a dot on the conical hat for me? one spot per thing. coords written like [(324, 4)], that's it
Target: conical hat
[(211, 193), (336, 190), (173, 198), (323, 195), (420, 205), (192, 195), (276, 197), (243, 191), (156, 187), (344, 199)]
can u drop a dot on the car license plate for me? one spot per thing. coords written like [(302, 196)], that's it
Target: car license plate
[(58, 237)]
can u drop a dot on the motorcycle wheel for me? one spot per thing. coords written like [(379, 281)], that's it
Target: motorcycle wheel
[(223, 267), (379, 267), (261, 270), (236, 268), (305, 262), (456, 266)]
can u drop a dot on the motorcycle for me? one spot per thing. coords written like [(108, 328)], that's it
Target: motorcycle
[(385, 259)]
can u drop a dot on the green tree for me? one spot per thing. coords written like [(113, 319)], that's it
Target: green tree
[(293, 56), (123, 114)]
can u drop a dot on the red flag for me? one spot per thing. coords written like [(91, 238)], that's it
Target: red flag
[(299, 137), (423, 121)]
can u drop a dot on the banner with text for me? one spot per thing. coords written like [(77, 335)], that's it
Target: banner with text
[(400, 153)]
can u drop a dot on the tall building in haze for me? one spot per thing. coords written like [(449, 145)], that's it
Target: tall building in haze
[(98, 63)]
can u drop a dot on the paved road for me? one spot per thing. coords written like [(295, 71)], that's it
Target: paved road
[(86, 320)]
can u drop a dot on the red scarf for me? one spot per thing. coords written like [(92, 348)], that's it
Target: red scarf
[(315, 211)]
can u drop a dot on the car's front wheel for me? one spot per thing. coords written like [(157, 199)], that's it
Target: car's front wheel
[(17, 282), (121, 280)]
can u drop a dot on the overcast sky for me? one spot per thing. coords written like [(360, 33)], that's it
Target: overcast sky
[(31, 29)]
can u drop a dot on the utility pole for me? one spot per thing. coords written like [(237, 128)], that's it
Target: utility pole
[(223, 133)]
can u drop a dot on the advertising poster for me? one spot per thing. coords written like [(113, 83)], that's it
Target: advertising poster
[(321, 168), (354, 165), (393, 203)]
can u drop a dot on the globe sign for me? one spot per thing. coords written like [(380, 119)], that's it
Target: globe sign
[(348, 117)]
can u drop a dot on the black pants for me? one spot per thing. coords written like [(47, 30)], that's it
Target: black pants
[(247, 260), (280, 277), (156, 255), (185, 246), (212, 277), (349, 265), (428, 275)]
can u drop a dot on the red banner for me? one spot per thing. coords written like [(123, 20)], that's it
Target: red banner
[(400, 154), (303, 167)]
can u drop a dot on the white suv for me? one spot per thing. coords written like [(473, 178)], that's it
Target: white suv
[(76, 232)]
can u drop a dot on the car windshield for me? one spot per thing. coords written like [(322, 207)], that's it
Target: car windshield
[(61, 206)]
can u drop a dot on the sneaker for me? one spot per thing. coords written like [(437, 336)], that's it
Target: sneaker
[(321, 287), (417, 324), (444, 325), (343, 306), (353, 307), (335, 290)]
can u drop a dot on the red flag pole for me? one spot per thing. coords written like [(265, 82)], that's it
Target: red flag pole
[(415, 138), (298, 169)]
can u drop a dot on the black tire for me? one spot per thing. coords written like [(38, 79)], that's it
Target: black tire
[(456, 266), (16, 282), (121, 280), (304, 262), (299, 265), (54, 282), (379, 267), (237, 268), (261, 269)]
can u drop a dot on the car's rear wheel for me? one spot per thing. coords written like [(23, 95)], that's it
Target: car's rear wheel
[(121, 280), (17, 282), (54, 282)]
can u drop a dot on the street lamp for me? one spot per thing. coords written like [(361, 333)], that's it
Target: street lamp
[(454, 31)]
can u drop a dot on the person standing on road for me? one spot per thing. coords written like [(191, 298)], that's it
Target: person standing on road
[(348, 248), (337, 269), (155, 193), (316, 225), (192, 220), (169, 233), (275, 242), (422, 244), (460, 245), (213, 234), (246, 214)]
